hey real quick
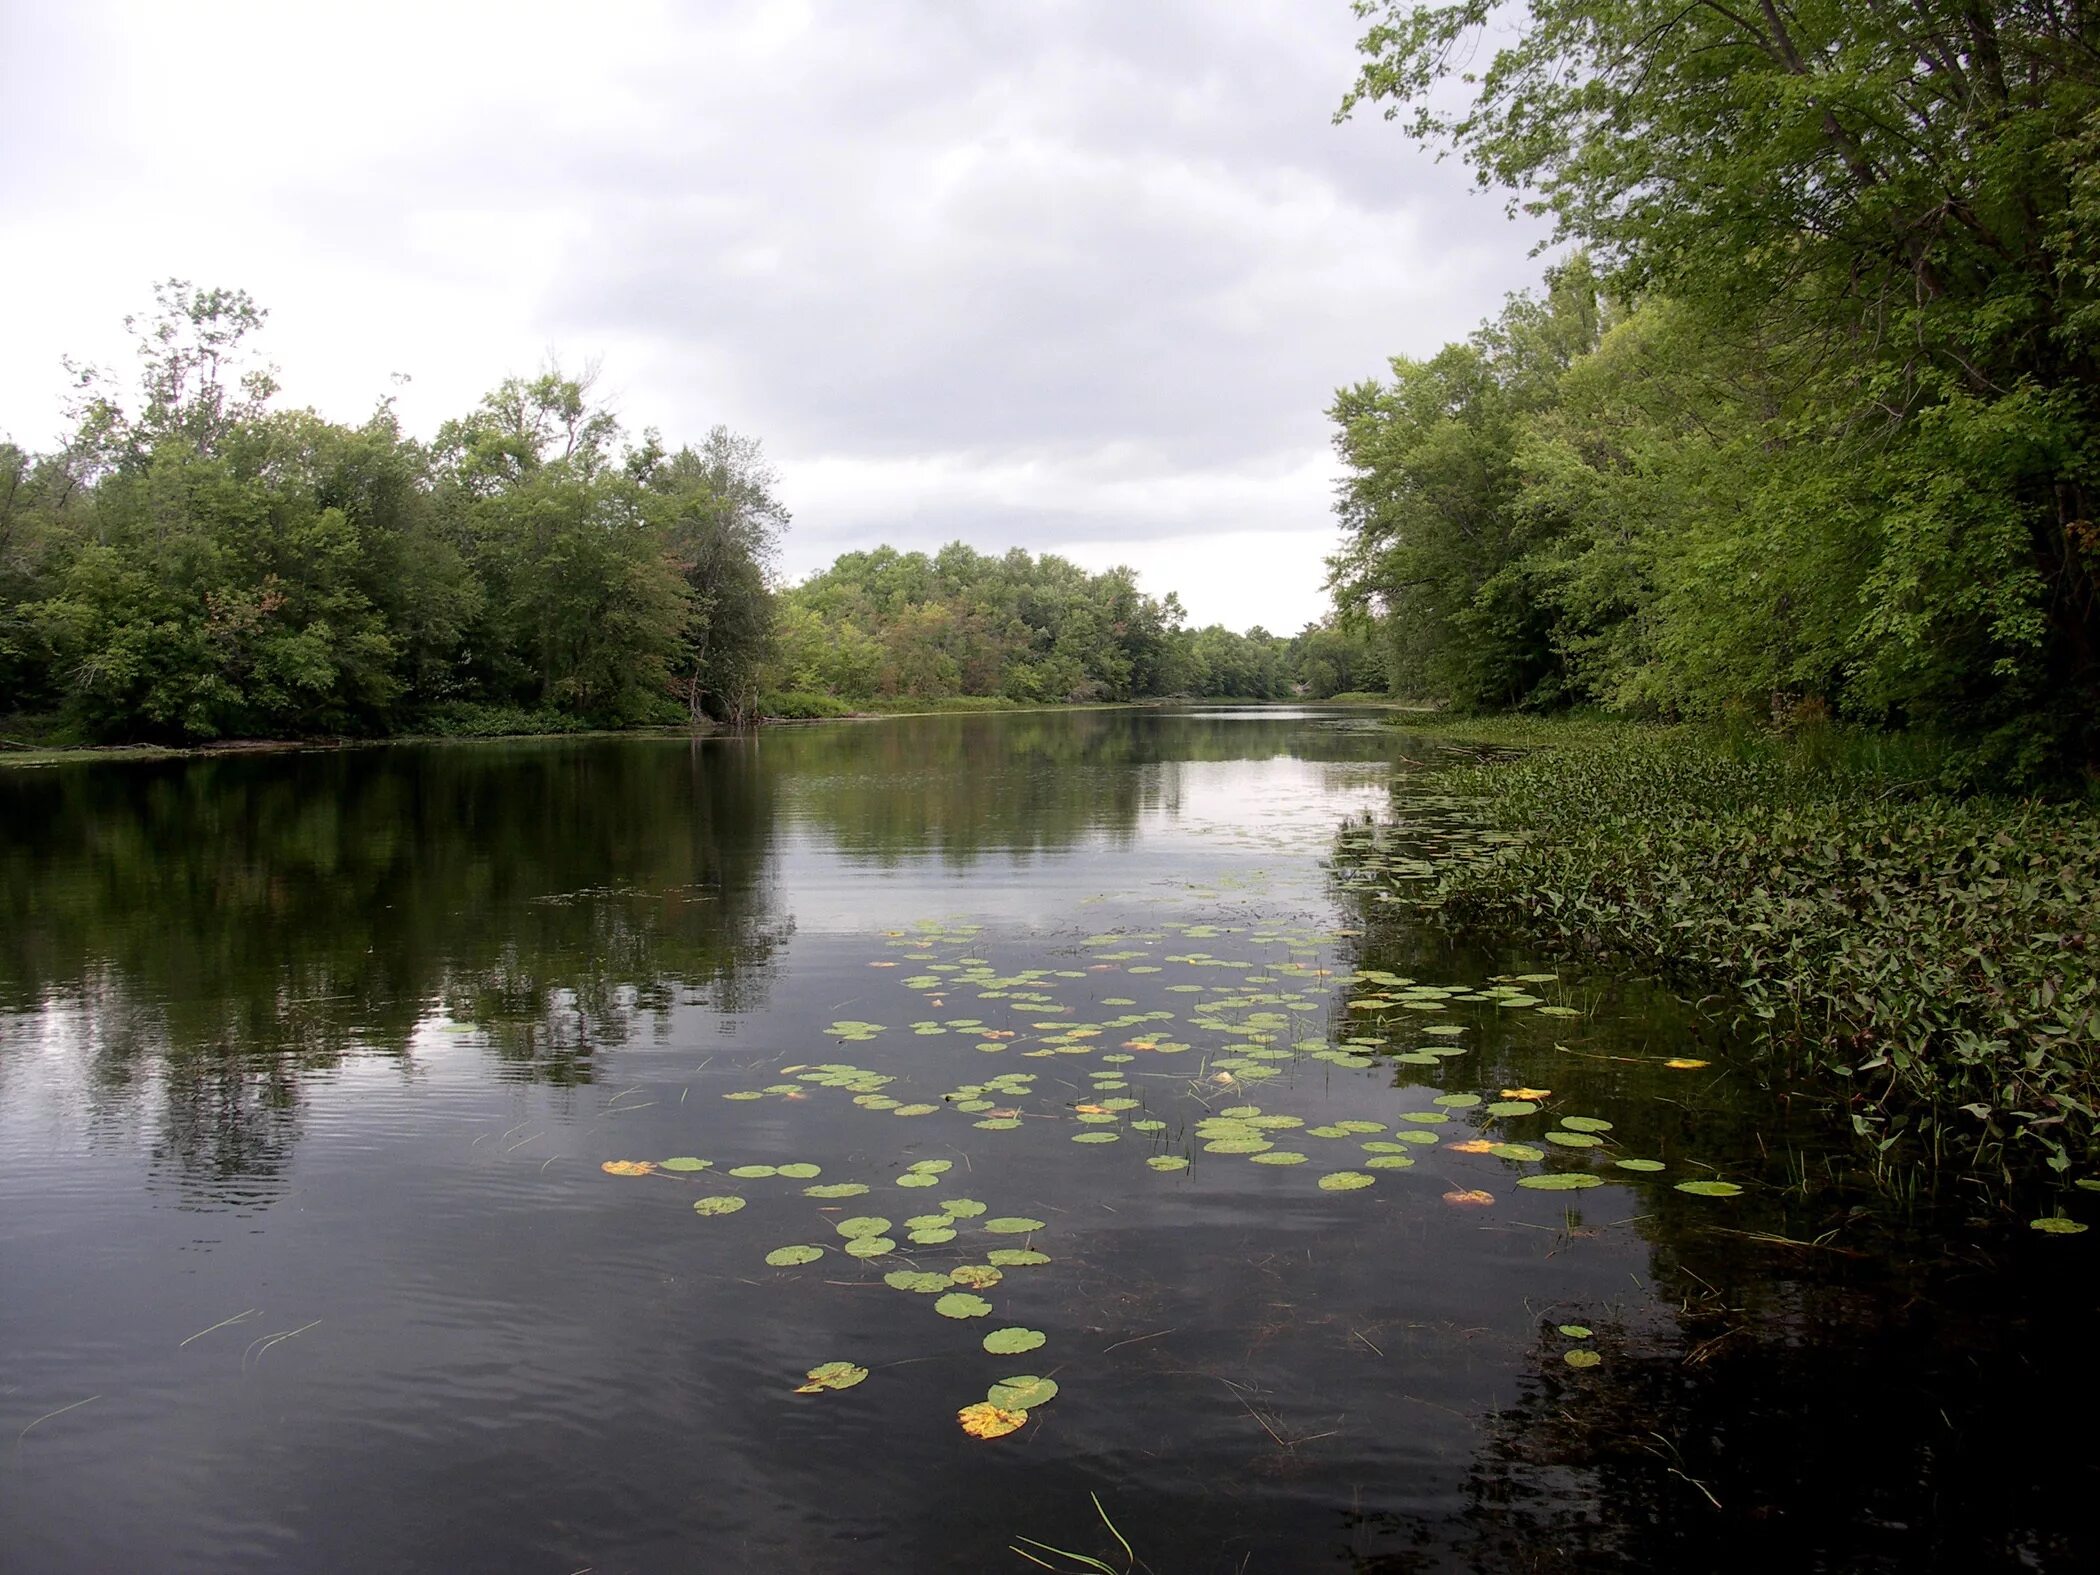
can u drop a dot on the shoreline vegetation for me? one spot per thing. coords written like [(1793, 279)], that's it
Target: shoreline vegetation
[(1928, 959)]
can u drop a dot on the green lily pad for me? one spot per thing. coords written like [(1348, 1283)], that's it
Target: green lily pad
[(870, 1246), (1389, 1162), (832, 1375), (913, 1178), (916, 1280), (1709, 1189), (684, 1163), (1096, 1137), (1581, 1357), (931, 1236), (1278, 1156), (788, 1257), (915, 1110), (1561, 1181), (836, 1189), (998, 1123), (1012, 1342), (1585, 1124), (1016, 1257), (1517, 1151), (961, 1208), (753, 1172), (1639, 1164), (1574, 1139), (1345, 1181), (1575, 1331), (962, 1304), (2056, 1225), (1512, 1107), (727, 1203), (1013, 1225), (747, 1093), (1024, 1393), (977, 1276), (1456, 1101), (800, 1170), (1168, 1162), (931, 1167), (862, 1225)]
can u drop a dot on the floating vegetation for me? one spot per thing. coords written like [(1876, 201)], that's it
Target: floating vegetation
[(726, 1203), (788, 1257), (1024, 1393), (1561, 1181), (627, 1167), (1012, 1342), (1013, 1225), (962, 1304), (1709, 1189), (2056, 1225), (682, 1164), (832, 1375), (917, 1280), (1581, 1357), (985, 1420), (1471, 1197), (1344, 1181)]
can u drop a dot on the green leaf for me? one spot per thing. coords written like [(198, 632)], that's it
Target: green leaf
[(962, 1304), (788, 1257), (916, 1280), (2056, 1225), (1168, 1162), (1709, 1189), (836, 1189), (1024, 1393), (686, 1163), (1561, 1181), (1016, 1257), (1013, 1225), (1639, 1164), (1012, 1342), (862, 1225), (727, 1203), (1581, 1357)]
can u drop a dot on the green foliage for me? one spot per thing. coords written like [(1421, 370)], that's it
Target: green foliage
[(962, 629), (194, 565), (1835, 444), (1933, 955)]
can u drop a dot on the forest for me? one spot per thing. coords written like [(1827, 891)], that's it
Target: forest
[(195, 564), (1803, 425)]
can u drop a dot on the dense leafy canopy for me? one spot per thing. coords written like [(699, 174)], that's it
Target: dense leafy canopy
[(1824, 437), (194, 564)]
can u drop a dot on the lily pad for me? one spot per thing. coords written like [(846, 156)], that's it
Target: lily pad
[(961, 1208), (1016, 1257), (870, 1246), (1574, 1139), (788, 1257), (1278, 1156), (1709, 1189), (916, 1280), (836, 1189), (1389, 1162), (1167, 1162), (1345, 1181), (862, 1225), (1013, 1225), (1023, 1393), (1585, 1124), (931, 1236), (962, 1304), (754, 1172), (985, 1420), (1012, 1342), (977, 1276), (684, 1162), (1581, 1356), (2056, 1225), (1575, 1331), (1511, 1107), (1639, 1164), (727, 1203), (1095, 1137), (800, 1170), (1518, 1151), (1561, 1181), (832, 1375)]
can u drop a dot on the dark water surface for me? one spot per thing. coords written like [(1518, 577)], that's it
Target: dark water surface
[(328, 1050)]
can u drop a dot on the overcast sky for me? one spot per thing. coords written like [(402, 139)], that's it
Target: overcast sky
[(1079, 276)]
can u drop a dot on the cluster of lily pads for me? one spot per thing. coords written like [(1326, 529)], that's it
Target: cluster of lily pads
[(1123, 1073)]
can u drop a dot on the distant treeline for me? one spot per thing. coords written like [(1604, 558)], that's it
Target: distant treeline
[(194, 564), (1821, 431), (887, 625)]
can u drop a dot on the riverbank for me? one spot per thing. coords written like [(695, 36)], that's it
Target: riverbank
[(1926, 959), (489, 724)]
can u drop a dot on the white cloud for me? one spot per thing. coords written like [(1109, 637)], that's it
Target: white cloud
[(1077, 276)]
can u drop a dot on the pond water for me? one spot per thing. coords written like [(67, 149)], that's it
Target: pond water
[(1107, 1039)]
